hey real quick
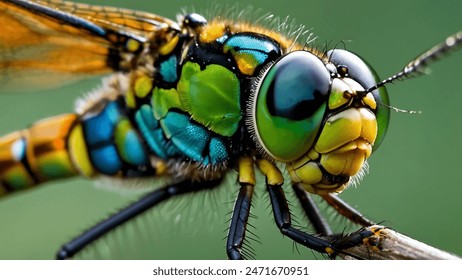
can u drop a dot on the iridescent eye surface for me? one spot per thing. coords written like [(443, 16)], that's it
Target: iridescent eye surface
[(361, 72), (290, 103)]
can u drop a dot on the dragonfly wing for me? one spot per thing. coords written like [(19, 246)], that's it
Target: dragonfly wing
[(47, 43), (133, 22)]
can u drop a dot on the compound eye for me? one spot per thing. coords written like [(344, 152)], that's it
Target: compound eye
[(290, 104), (364, 74)]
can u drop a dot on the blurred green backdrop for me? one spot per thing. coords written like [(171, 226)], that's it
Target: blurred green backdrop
[(413, 185)]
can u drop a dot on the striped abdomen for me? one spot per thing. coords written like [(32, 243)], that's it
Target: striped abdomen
[(68, 145)]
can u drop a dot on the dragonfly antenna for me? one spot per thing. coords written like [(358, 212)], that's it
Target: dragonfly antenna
[(417, 66)]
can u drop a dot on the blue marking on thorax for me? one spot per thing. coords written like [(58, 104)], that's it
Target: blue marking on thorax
[(168, 69), (259, 46), (133, 149), (153, 133), (190, 139), (150, 130), (99, 131), (247, 41), (100, 128), (106, 159), (176, 136), (217, 150)]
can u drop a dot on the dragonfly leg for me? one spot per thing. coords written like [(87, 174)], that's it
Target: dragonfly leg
[(369, 235), (130, 212), (241, 212), (331, 245), (237, 228), (281, 212), (346, 210), (312, 211), (283, 221)]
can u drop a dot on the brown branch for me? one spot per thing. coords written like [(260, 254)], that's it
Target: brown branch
[(388, 244)]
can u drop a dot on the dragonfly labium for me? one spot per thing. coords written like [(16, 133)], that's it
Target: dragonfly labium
[(188, 102)]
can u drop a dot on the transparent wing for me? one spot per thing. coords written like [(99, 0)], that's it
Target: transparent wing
[(134, 22), (45, 43)]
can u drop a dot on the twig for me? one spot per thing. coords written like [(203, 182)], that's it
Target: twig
[(388, 244)]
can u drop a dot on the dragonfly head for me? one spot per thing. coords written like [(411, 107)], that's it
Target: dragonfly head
[(316, 116)]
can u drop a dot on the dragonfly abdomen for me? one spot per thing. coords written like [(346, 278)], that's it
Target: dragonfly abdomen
[(37, 154), (102, 143)]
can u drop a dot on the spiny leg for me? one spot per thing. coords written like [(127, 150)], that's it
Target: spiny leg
[(346, 210), (369, 235), (281, 212), (241, 212), (312, 211), (237, 227), (130, 212)]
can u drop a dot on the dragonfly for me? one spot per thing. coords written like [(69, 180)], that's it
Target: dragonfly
[(146, 121)]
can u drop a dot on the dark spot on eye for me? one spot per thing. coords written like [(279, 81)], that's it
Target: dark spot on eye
[(342, 70)]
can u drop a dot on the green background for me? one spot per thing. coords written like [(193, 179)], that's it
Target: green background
[(414, 183)]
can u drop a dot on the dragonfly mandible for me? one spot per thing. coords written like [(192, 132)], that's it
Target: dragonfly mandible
[(169, 38)]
